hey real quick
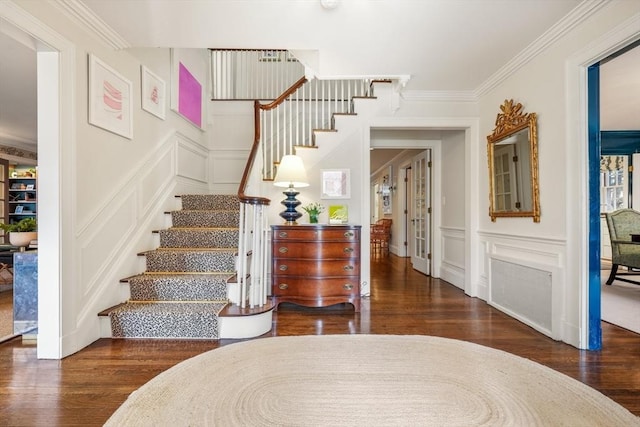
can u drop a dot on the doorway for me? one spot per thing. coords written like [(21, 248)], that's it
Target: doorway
[(18, 152), (589, 64), (411, 188), (614, 78), (56, 65)]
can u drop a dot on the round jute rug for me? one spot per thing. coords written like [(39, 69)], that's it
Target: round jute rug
[(365, 380)]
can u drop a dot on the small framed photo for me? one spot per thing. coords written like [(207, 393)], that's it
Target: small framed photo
[(19, 209), (338, 214), (336, 184), (110, 99), (31, 187), (153, 93)]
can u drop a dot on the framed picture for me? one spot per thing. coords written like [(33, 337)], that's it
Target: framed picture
[(338, 214), (336, 184), (30, 187), (153, 93), (110, 99), (186, 90), (19, 209)]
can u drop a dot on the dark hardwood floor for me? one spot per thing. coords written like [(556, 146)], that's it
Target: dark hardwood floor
[(87, 387)]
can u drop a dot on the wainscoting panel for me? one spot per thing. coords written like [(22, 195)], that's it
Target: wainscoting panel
[(452, 268), (228, 166), (192, 160), (157, 174), (98, 248)]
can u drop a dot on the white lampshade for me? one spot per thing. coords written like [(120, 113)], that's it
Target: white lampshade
[(291, 173)]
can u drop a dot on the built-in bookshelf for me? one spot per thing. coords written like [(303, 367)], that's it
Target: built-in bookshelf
[(23, 198)]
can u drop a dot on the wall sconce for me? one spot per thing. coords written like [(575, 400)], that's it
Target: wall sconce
[(291, 174)]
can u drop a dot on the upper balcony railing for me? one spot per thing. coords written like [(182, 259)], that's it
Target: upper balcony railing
[(248, 74)]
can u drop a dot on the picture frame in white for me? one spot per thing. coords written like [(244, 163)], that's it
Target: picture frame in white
[(110, 99), (153, 92), (336, 184)]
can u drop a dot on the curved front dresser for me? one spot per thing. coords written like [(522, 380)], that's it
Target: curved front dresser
[(316, 265)]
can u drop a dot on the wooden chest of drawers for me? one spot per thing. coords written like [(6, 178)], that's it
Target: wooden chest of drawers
[(316, 265)]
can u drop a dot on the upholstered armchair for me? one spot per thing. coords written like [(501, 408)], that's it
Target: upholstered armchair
[(625, 252)]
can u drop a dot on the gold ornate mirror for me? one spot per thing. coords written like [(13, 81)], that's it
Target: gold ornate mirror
[(513, 164)]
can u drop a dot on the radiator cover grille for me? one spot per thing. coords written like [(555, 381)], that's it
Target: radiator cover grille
[(523, 291)]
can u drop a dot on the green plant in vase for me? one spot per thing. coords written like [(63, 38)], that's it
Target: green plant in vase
[(314, 210), (21, 233)]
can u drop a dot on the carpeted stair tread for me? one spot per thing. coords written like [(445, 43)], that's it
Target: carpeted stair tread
[(185, 283), (209, 202), (166, 320), (205, 218), (179, 287), (199, 237), (183, 261)]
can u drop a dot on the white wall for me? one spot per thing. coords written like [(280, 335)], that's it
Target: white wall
[(104, 193), (231, 136), (558, 243)]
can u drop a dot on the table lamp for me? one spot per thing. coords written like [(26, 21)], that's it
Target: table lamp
[(291, 174)]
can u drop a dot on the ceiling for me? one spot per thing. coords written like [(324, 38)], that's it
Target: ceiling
[(438, 46)]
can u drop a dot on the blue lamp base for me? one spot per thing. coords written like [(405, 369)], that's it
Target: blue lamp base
[(290, 215)]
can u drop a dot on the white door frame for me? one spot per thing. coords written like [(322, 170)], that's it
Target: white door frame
[(472, 156), (577, 270), (56, 80), (470, 126)]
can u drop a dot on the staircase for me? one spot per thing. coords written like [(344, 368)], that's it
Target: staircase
[(184, 290), (195, 285)]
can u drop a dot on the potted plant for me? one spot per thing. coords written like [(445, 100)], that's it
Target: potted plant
[(21, 233), (314, 210)]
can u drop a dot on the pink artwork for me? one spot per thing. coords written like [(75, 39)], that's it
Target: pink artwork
[(112, 99), (189, 96)]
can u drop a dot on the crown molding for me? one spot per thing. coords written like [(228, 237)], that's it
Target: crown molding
[(90, 22), (439, 96), (579, 14)]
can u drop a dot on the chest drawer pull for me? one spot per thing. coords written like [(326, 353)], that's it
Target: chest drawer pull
[(349, 234), (348, 268), (283, 234), (283, 250), (347, 286), (283, 268), (348, 250), (283, 286)]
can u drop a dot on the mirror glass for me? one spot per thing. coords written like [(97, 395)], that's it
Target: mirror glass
[(513, 164)]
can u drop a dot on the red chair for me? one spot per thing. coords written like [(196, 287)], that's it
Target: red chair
[(381, 236)]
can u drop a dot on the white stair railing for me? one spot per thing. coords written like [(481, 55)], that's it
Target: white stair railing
[(310, 107), (298, 108), (252, 286), (248, 74)]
